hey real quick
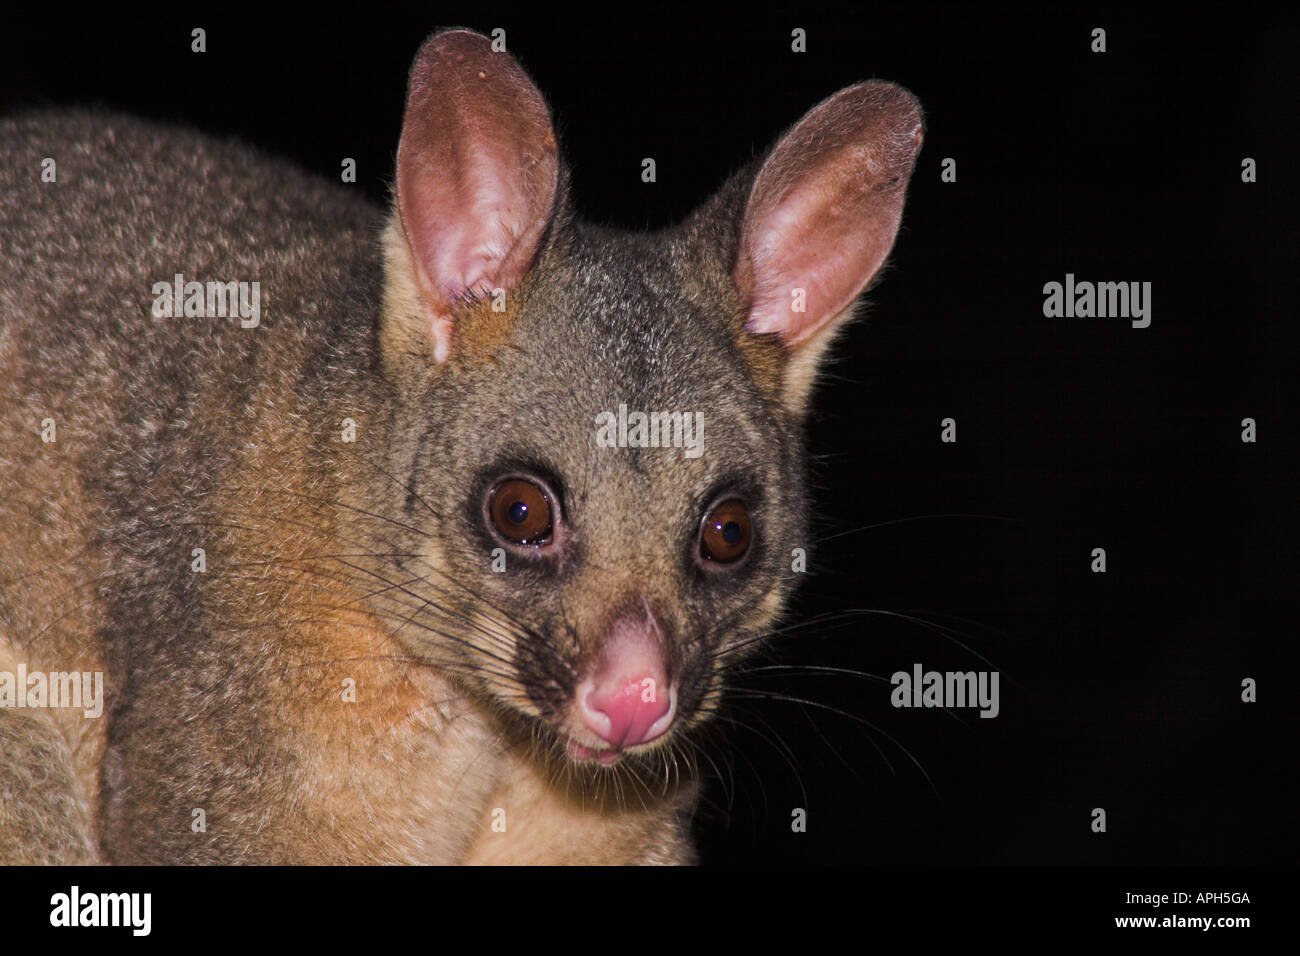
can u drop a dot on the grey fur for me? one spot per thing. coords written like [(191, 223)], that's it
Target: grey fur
[(164, 446)]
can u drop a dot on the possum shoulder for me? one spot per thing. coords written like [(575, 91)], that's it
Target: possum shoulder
[(134, 202), (173, 178)]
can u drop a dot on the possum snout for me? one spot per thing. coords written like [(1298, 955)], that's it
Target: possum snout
[(625, 697)]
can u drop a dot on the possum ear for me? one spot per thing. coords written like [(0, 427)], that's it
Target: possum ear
[(821, 218), (477, 178)]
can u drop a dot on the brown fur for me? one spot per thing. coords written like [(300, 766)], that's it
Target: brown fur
[(348, 680)]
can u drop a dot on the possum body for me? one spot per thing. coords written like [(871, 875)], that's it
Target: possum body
[(287, 538)]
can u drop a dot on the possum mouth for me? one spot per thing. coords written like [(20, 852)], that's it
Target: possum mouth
[(578, 752), (608, 757)]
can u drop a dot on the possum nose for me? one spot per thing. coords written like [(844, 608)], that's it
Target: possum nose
[(630, 710), (627, 699)]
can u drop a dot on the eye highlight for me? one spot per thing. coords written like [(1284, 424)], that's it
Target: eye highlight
[(726, 533), (521, 512)]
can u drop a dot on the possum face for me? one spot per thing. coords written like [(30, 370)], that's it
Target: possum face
[(619, 496), (602, 430)]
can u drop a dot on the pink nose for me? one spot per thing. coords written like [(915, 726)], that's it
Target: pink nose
[(626, 699), (629, 711)]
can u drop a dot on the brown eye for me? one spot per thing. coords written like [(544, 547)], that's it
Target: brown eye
[(521, 512), (726, 532)]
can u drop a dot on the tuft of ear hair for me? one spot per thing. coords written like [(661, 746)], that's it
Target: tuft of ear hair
[(820, 220)]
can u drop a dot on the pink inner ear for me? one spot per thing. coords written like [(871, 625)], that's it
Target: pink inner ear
[(825, 208), (477, 169)]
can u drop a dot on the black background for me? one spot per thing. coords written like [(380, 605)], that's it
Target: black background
[(1119, 690)]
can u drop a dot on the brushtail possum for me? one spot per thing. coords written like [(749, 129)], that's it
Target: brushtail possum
[(418, 537)]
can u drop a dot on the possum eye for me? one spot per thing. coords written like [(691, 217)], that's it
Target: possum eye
[(725, 534), (521, 512)]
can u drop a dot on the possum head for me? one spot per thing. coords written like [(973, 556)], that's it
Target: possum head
[(599, 431)]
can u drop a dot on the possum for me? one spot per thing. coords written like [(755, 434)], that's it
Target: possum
[(418, 535)]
